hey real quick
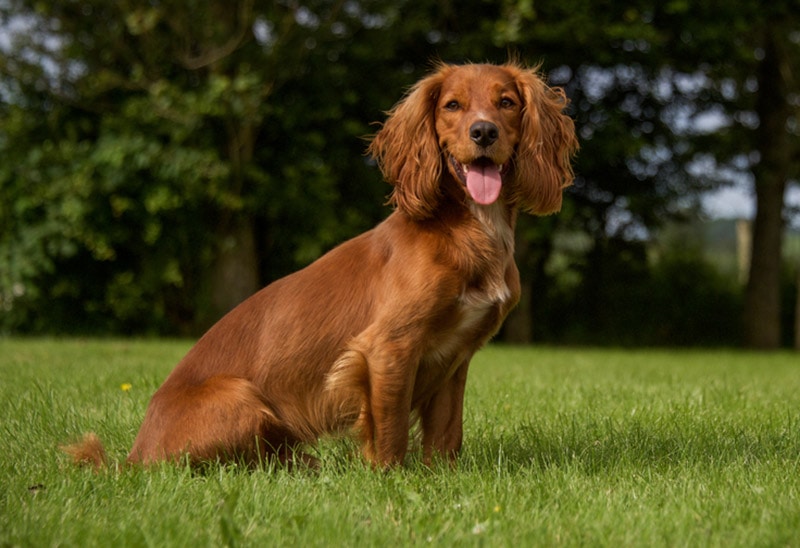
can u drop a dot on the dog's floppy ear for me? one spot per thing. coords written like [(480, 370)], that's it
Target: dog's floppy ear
[(547, 144), (407, 149)]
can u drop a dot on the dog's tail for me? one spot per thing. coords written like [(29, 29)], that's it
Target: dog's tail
[(87, 452)]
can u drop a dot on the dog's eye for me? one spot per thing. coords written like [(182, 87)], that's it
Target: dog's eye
[(505, 102), (452, 106)]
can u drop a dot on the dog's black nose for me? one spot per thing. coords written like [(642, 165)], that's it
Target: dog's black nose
[(483, 133)]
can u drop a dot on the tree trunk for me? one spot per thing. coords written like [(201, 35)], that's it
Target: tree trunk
[(234, 274), (762, 313), (519, 323), (532, 250), (797, 311)]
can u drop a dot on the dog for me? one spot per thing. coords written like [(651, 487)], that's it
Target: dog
[(376, 336)]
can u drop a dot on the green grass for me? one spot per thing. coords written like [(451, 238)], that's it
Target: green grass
[(562, 447)]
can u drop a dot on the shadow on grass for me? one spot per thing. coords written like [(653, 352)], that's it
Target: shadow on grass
[(598, 447)]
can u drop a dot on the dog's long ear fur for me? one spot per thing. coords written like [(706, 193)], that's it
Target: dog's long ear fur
[(407, 149), (546, 146)]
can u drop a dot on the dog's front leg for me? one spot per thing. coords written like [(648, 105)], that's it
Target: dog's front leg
[(391, 388), (442, 418), (380, 370)]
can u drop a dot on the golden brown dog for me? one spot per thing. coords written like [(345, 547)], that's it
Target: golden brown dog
[(380, 331)]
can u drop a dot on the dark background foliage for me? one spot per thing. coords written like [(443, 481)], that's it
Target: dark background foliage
[(160, 162)]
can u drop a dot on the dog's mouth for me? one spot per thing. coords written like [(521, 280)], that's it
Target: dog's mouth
[(482, 177)]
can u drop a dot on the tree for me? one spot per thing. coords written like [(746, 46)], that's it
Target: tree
[(747, 49), (645, 78), (632, 170), (145, 141), (762, 312)]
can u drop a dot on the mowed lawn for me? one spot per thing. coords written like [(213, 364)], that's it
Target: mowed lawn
[(563, 446)]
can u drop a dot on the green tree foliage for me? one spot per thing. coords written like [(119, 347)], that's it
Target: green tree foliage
[(163, 133)]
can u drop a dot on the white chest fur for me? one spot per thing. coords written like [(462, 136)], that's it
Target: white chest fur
[(477, 302), (495, 288)]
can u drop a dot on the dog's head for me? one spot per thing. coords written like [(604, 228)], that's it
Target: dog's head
[(499, 131)]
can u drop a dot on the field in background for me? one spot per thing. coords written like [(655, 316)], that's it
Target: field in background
[(563, 446)]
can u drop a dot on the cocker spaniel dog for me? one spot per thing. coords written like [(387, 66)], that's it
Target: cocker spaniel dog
[(379, 332)]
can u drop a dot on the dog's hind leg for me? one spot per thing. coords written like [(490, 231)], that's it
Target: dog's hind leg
[(348, 383), (223, 418)]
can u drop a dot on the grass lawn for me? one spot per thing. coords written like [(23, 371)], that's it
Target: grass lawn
[(562, 447)]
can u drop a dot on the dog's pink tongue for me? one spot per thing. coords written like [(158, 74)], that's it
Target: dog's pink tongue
[(484, 182)]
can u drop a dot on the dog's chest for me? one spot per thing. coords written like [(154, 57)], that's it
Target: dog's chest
[(488, 285), (481, 305), (474, 318), (476, 303)]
